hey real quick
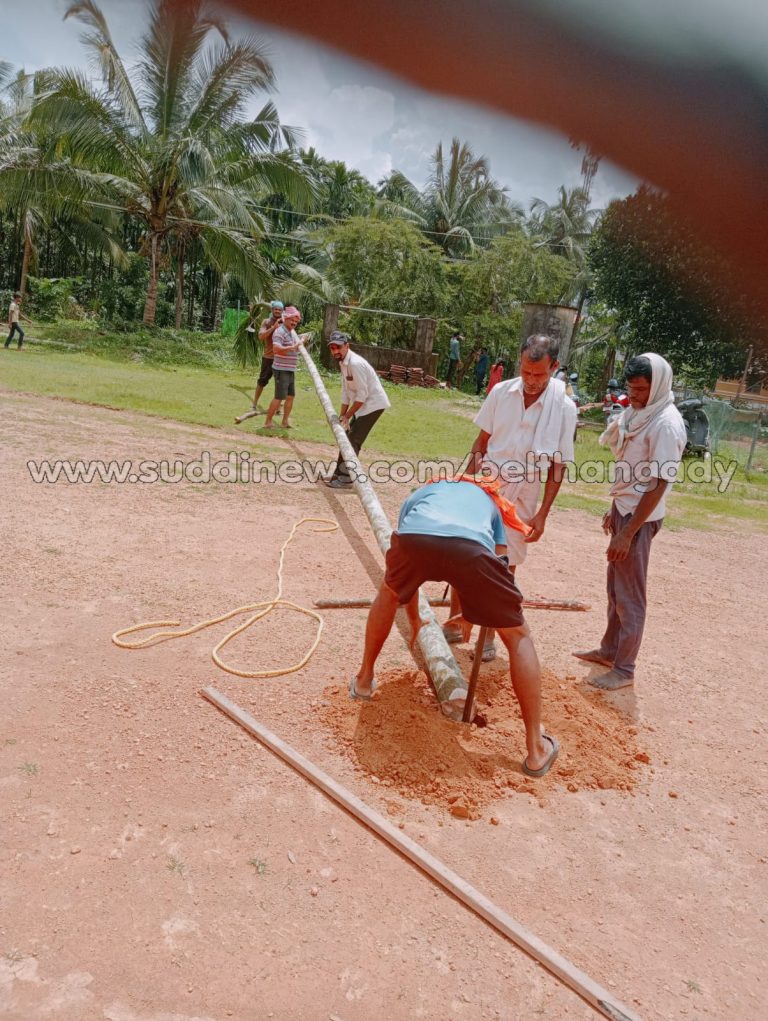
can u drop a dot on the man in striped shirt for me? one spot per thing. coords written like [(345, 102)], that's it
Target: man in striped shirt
[(285, 345)]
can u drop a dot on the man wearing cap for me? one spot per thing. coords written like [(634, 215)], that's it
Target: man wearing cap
[(285, 349), (267, 328), (363, 401)]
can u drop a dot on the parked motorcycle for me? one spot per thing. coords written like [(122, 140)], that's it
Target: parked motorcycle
[(696, 426), (615, 400)]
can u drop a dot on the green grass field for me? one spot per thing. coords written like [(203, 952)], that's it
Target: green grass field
[(424, 424)]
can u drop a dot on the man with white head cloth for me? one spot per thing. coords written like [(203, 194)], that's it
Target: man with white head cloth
[(647, 440)]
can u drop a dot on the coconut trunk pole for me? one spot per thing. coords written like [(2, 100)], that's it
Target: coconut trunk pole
[(442, 669)]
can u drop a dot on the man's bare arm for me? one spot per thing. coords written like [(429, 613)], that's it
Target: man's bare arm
[(479, 448), (265, 332), (618, 548)]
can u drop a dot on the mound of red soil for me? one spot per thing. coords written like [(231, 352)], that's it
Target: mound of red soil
[(401, 740)]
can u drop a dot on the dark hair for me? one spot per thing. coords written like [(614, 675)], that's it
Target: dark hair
[(639, 366), (539, 346)]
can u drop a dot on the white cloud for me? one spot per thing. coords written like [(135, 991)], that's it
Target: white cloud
[(348, 110)]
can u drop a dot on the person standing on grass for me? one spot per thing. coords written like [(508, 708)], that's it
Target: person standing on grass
[(363, 401), (454, 531), (481, 367), (527, 426), (647, 439), (285, 348), (454, 357), (266, 330), (497, 374), (14, 314)]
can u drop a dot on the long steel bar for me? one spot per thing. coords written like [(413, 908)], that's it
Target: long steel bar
[(595, 995)]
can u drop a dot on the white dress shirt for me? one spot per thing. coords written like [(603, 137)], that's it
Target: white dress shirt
[(512, 427), (359, 382)]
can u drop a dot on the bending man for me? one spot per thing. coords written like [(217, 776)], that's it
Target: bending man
[(455, 532)]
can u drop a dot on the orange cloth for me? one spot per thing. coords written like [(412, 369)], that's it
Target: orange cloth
[(492, 488), (496, 376)]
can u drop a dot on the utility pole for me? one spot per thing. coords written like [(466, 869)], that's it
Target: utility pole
[(743, 380)]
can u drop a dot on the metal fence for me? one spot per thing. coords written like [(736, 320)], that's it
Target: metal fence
[(738, 433)]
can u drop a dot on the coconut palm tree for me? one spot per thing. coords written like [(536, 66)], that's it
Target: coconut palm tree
[(464, 201), (39, 184), (460, 203), (565, 226), (168, 143)]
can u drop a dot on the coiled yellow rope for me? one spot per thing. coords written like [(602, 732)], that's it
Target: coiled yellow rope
[(263, 609)]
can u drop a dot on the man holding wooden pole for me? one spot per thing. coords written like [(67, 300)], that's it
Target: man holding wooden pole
[(454, 531), (363, 402)]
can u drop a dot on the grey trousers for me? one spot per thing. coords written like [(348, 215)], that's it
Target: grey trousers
[(626, 597)]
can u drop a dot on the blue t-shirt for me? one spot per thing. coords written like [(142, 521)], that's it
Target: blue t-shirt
[(454, 352), (458, 510), (482, 365)]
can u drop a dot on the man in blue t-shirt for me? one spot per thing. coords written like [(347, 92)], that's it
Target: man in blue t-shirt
[(454, 357), (453, 532)]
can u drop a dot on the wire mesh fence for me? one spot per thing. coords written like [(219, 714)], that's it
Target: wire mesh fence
[(738, 430)]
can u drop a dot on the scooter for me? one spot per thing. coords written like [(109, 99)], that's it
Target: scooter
[(696, 426)]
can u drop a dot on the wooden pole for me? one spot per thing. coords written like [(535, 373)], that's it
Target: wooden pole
[(474, 674), (442, 668), (597, 997), (753, 444), (743, 380), (528, 604), (247, 415)]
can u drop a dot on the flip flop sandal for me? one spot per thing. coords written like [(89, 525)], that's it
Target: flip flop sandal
[(489, 653), (550, 761), (354, 693)]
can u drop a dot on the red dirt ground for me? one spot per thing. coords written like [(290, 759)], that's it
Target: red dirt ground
[(156, 864)]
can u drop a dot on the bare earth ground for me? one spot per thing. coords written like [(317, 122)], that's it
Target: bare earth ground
[(156, 864)]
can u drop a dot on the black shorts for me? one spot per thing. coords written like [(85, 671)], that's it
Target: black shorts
[(285, 383), (265, 372), (486, 588)]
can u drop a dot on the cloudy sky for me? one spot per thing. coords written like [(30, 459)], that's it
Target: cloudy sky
[(349, 110)]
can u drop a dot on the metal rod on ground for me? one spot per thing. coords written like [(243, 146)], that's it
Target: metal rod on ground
[(442, 668), (475, 673), (594, 994), (528, 604)]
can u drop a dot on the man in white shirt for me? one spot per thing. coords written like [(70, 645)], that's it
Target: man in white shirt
[(363, 401), (647, 440), (527, 426)]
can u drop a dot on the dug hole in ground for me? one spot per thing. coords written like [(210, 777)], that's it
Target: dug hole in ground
[(156, 863)]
